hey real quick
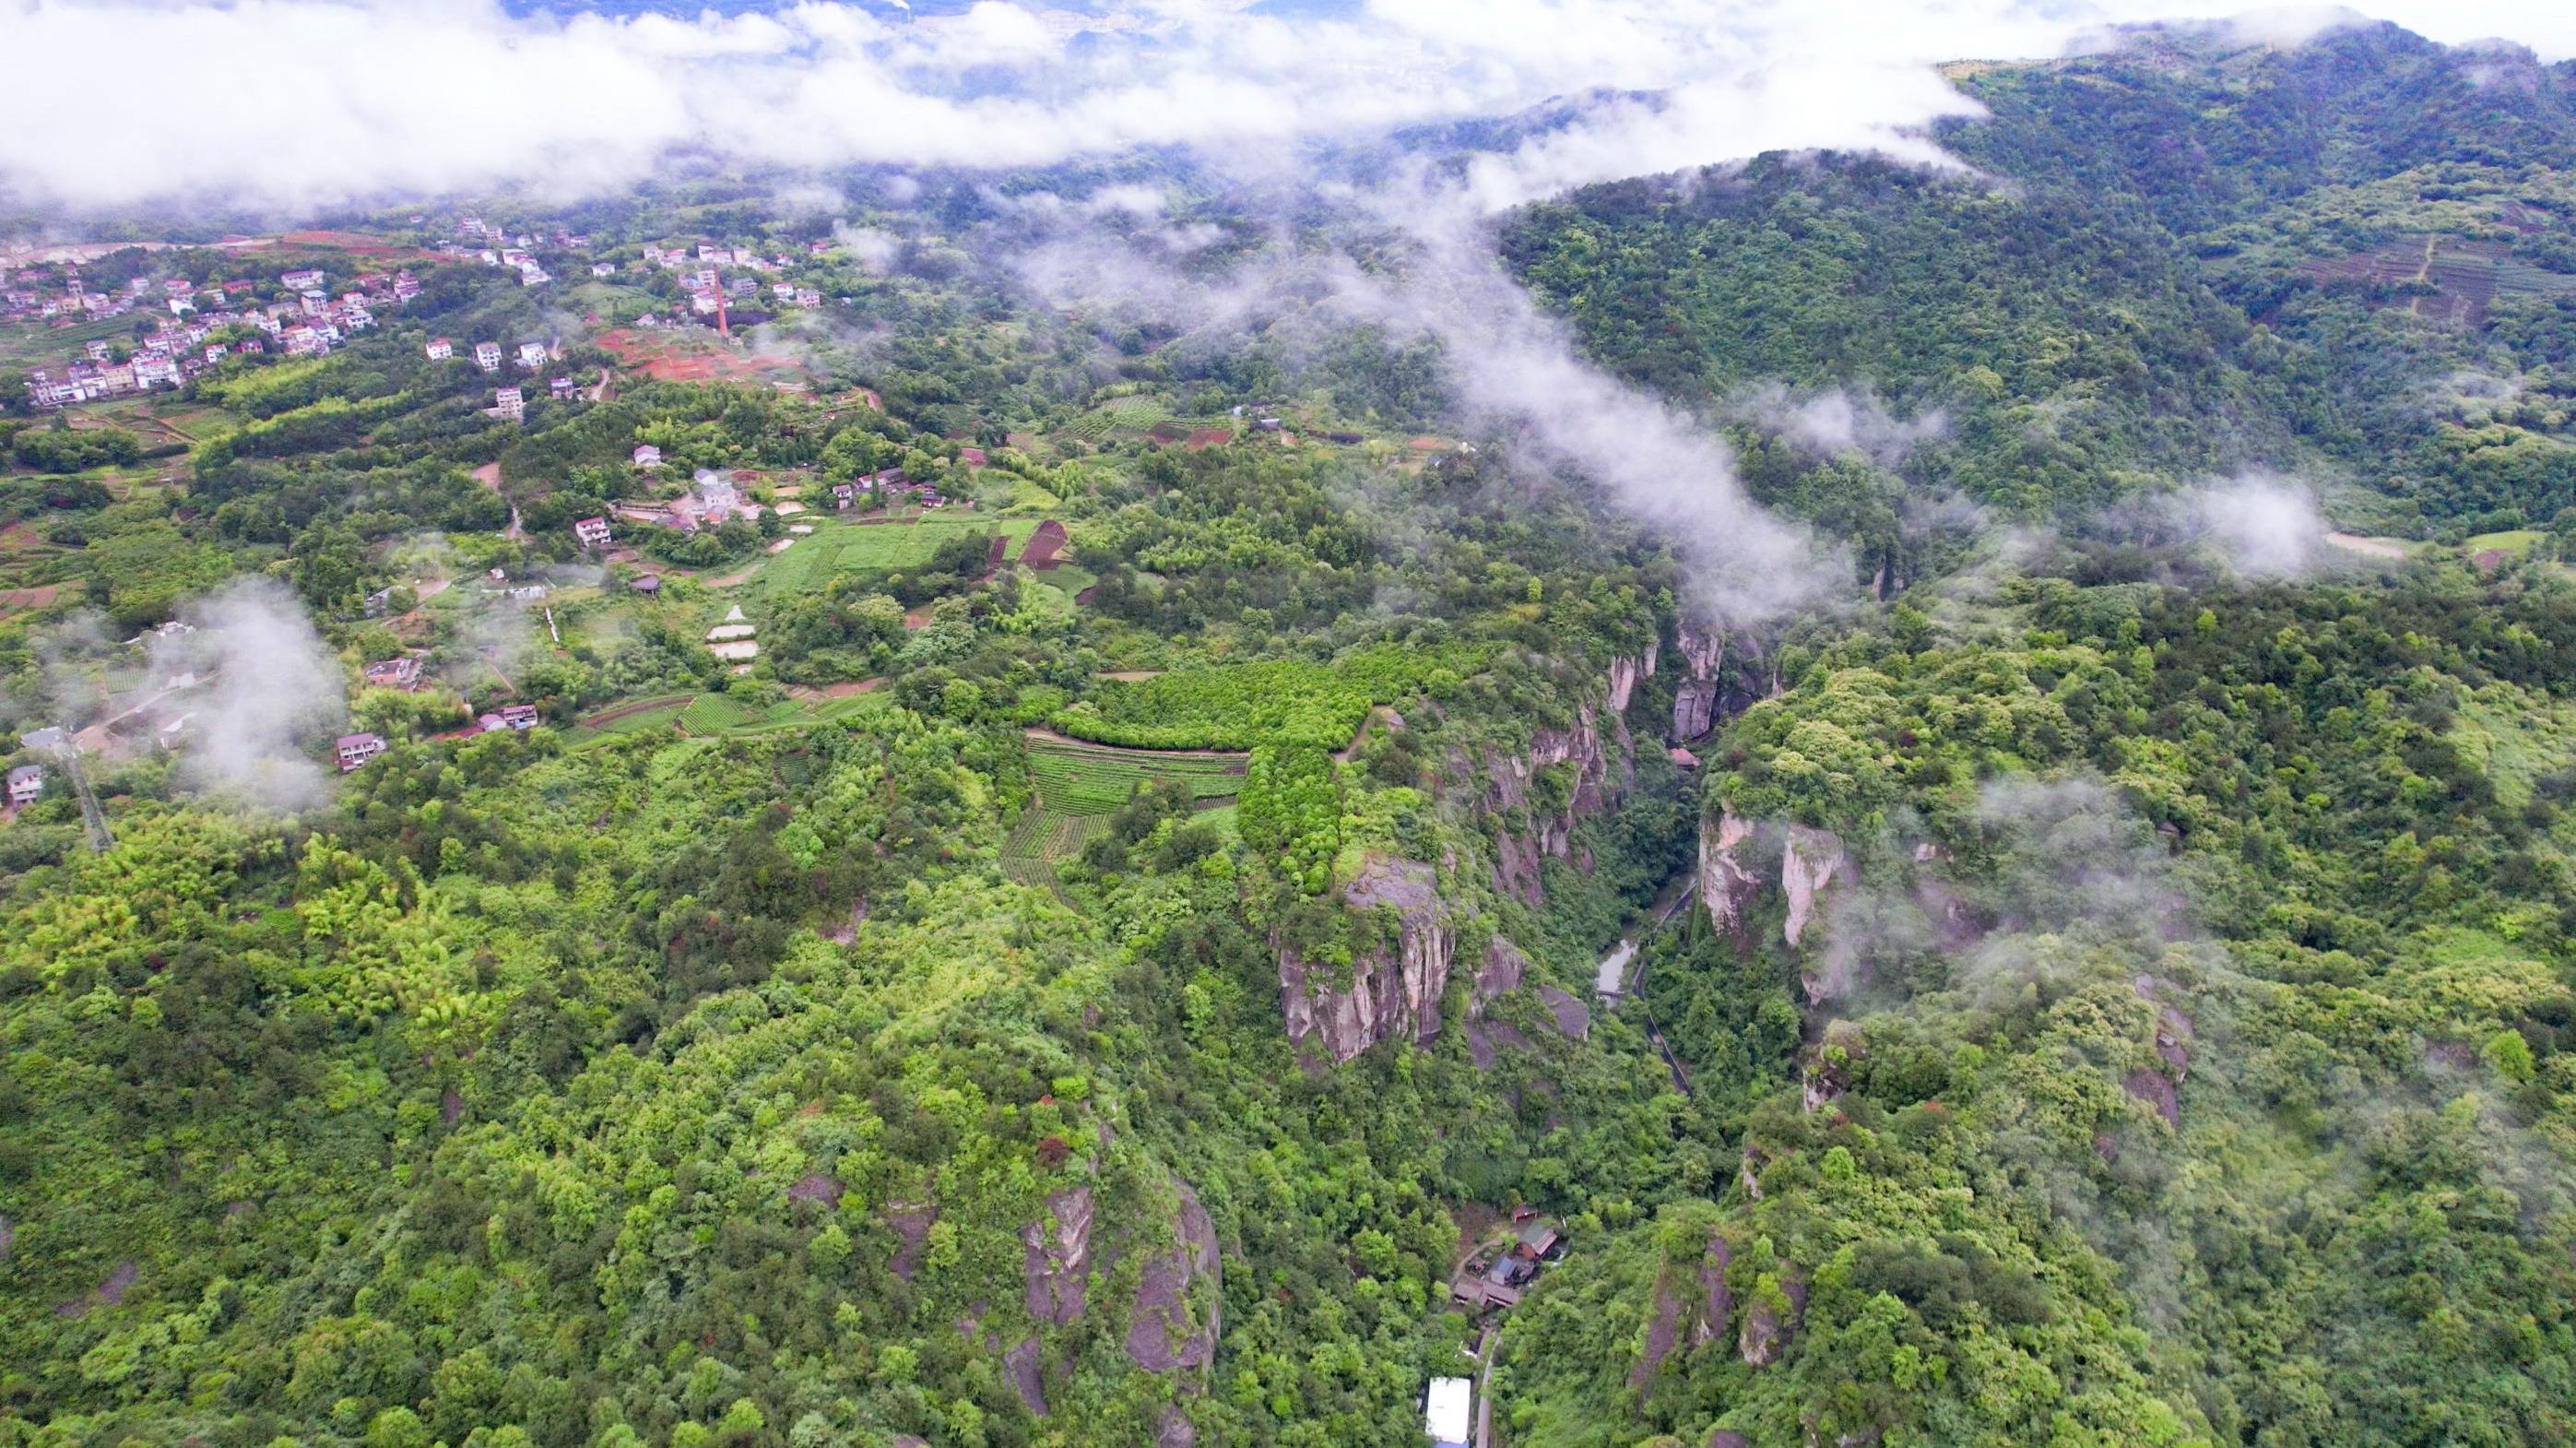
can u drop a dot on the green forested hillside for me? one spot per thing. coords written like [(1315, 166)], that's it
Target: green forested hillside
[(1106, 932)]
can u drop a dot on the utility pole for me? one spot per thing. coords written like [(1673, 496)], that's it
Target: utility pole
[(59, 741)]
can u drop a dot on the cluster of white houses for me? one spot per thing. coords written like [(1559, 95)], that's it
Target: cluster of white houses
[(184, 343)]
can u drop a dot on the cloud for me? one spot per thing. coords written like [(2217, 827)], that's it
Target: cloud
[(1517, 370), (873, 248), (2267, 527), (376, 99), (273, 691), (1839, 420)]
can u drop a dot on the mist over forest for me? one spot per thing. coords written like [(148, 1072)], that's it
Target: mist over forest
[(1584, 724)]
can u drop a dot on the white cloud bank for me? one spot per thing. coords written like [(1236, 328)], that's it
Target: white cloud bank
[(299, 104)]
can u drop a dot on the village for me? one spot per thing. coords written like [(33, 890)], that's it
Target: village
[(188, 330), (184, 328)]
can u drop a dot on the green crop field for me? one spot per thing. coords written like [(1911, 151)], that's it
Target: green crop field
[(37, 344), (723, 714), (836, 547), (2513, 542), (1088, 780), (1080, 785), (1273, 701)]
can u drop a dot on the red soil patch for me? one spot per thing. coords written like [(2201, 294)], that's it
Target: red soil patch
[(808, 694), (678, 358), (1044, 546), (30, 597), (356, 241), (1207, 437)]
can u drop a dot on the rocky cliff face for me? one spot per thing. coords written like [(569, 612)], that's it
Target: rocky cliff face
[(1692, 1306), (1625, 671), (1160, 1334), (1727, 884), (1056, 1261), (1811, 861), (1385, 996), (1604, 764), (1695, 698)]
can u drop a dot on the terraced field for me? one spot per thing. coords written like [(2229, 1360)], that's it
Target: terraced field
[(1081, 785), (1095, 780), (2467, 275)]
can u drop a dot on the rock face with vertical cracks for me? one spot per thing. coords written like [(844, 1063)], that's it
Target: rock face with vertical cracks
[(1812, 861), (1160, 1337), (1727, 886), (1057, 1259), (1695, 709), (1384, 996), (1626, 671), (1599, 781)]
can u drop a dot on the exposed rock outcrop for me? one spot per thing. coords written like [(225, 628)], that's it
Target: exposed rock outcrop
[(1717, 1305), (1517, 866), (1809, 863), (1027, 1366), (1727, 887), (1383, 998), (1175, 1430), (911, 1222), (1695, 698), (1661, 1334), (2157, 1090), (1602, 774), (1159, 1335), (1488, 1040), (2173, 1027), (1626, 671), (1572, 1017), (1504, 969), (1770, 1322), (1056, 1262), (1692, 1304)]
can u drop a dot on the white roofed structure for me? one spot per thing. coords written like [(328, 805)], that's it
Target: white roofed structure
[(1445, 1415)]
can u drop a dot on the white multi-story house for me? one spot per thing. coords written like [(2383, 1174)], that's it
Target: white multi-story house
[(439, 349), (532, 355), (510, 404), (487, 355)]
